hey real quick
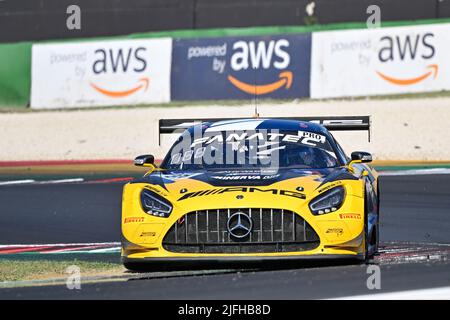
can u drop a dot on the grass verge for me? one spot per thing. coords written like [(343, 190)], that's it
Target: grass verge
[(26, 270)]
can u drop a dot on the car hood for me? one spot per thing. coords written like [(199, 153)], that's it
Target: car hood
[(245, 177)]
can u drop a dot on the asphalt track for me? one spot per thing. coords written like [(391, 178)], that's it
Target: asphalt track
[(414, 209)]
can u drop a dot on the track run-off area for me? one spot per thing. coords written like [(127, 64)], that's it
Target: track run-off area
[(84, 218)]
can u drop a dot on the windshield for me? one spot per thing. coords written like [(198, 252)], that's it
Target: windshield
[(250, 149)]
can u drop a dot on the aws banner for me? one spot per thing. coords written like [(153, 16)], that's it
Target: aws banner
[(241, 67), (381, 61), (101, 73)]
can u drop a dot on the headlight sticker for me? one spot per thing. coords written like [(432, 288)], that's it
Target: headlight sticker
[(330, 186)]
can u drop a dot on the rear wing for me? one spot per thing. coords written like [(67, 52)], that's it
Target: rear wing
[(344, 123)]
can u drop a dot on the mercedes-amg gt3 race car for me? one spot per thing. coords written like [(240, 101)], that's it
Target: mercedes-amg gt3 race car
[(250, 190)]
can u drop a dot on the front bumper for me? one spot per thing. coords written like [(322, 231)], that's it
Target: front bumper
[(171, 263), (339, 232)]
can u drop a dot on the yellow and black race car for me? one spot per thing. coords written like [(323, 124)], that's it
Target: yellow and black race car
[(250, 190)]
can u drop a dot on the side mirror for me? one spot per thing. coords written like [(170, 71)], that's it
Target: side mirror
[(146, 160), (361, 156)]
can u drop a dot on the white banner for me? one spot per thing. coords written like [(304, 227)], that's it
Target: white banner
[(380, 61), (101, 73)]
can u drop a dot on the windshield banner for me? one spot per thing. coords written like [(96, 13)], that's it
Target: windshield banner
[(271, 148)]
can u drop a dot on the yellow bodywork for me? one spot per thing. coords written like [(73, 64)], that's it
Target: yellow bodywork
[(341, 232)]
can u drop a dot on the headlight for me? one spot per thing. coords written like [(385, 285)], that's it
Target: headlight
[(328, 202), (154, 204)]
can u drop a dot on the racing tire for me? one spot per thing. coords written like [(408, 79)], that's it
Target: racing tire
[(377, 245), (367, 240)]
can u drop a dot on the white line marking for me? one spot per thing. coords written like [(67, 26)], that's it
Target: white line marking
[(114, 249), (59, 245), (4, 183), (414, 172), (422, 294), (61, 181), (30, 181)]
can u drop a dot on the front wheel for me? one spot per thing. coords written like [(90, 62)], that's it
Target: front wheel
[(369, 247), (371, 240)]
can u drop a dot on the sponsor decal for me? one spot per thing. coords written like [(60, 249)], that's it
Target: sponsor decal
[(217, 191), (330, 186), (350, 216), (337, 231), (133, 219), (156, 190), (179, 176), (239, 67), (148, 234), (245, 177), (241, 146), (303, 137), (101, 73)]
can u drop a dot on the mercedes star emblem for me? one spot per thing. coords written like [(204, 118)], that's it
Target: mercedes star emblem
[(239, 225)]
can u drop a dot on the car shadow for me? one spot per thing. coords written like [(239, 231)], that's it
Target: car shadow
[(230, 267)]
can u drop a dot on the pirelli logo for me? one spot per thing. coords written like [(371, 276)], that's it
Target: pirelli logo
[(350, 216), (134, 219), (209, 192)]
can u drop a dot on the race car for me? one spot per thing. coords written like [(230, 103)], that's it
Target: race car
[(252, 190)]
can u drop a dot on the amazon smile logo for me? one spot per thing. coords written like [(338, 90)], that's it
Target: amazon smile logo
[(261, 55), (433, 70), (142, 84), (284, 81)]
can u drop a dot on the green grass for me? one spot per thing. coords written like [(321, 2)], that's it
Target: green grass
[(20, 270)]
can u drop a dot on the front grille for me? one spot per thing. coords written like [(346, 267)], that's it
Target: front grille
[(274, 230)]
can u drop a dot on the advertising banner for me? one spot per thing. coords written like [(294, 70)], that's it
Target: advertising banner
[(101, 73), (380, 61), (241, 67)]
